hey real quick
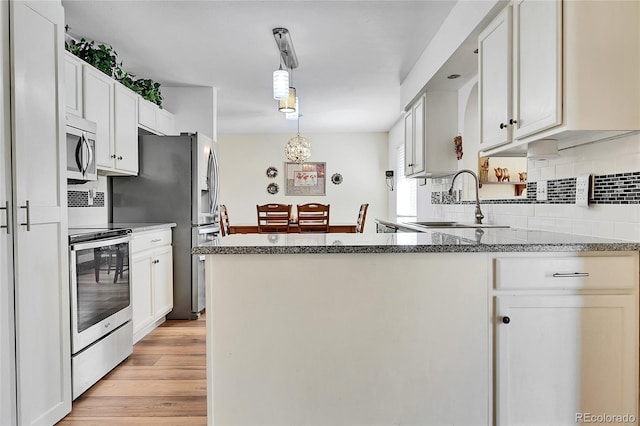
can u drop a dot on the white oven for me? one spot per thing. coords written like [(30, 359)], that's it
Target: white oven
[(101, 330)]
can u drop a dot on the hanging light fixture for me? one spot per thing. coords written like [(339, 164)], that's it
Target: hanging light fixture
[(286, 92), (298, 148), (280, 76), (293, 115)]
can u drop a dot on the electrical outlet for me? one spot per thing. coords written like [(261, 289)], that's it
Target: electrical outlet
[(541, 190), (584, 190)]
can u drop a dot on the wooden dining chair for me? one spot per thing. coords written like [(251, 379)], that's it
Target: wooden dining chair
[(313, 217), (273, 217), (224, 221), (362, 215)]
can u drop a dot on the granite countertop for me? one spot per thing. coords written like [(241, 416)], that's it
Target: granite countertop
[(459, 240)]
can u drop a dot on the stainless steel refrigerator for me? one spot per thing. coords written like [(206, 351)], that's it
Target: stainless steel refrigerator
[(177, 182)]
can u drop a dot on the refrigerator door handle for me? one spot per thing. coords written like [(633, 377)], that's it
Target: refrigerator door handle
[(216, 179)]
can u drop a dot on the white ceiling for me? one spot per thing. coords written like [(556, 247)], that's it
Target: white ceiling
[(352, 55)]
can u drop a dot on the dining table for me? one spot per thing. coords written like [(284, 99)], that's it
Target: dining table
[(293, 229)]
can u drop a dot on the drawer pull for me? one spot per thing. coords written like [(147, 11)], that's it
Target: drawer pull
[(506, 320), (571, 275), (156, 240)]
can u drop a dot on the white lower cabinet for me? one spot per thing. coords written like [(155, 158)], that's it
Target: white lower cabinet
[(152, 280), (566, 342)]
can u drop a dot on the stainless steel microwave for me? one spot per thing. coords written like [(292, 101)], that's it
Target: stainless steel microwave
[(81, 148)]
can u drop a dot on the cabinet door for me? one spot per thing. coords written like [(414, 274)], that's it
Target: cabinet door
[(162, 282), (141, 290), (40, 245), (494, 65), (126, 129), (418, 135), (7, 324), (408, 143), (98, 107), (73, 84), (537, 69), (563, 355)]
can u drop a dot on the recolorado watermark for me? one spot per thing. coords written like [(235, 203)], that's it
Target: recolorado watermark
[(605, 418)]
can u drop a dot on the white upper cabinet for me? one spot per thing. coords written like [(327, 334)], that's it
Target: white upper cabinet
[(114, 108), (568, 71), (430, 127), (495, 81), (125, 152), (154, 119), (98, 107), (73, 84), (537, 66)]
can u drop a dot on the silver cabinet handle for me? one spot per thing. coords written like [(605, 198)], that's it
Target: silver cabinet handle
[(570, 275), (155, 240), (6, 210), (28, 223)]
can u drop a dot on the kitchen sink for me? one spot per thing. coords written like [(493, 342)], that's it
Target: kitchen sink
[(448, 224)]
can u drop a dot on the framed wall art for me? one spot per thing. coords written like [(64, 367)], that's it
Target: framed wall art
[(305, 179)]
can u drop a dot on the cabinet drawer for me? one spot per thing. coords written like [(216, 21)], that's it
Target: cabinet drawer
[(566, 273), (146, 240)]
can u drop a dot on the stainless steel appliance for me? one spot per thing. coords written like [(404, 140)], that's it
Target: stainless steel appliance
[(101, 330), (177, 182), (81, 146)]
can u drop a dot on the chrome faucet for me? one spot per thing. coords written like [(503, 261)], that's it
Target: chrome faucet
[(479, 215)]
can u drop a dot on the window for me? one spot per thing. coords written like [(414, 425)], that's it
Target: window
[(406, 188)]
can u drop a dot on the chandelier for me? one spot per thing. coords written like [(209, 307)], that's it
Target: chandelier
[(298, 148)]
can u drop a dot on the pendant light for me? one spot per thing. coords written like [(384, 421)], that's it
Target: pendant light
[(280, 79), (298, 148), (289, 103), (293, 115)]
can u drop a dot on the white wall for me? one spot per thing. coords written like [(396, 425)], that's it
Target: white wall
[(361, 158), (83, 216), (194, 108)]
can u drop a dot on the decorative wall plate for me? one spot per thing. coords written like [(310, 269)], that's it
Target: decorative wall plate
[(272, 172), (336, 178), (273, 188)]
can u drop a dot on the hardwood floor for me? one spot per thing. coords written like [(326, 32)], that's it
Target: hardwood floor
[(162, 383)]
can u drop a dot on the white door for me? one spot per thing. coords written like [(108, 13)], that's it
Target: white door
[(126, 129), (141, 290), (41, 243), (559, 356), (162, 282), (494, 48), (537, 66), (98, 107), (7, 324)]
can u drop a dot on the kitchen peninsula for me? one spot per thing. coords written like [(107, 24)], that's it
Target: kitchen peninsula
[(429, 328)]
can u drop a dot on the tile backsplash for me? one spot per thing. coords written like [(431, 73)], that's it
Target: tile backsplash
[(81, 199), (614, 210)]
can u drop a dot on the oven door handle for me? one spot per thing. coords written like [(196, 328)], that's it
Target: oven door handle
[(99, 243)]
